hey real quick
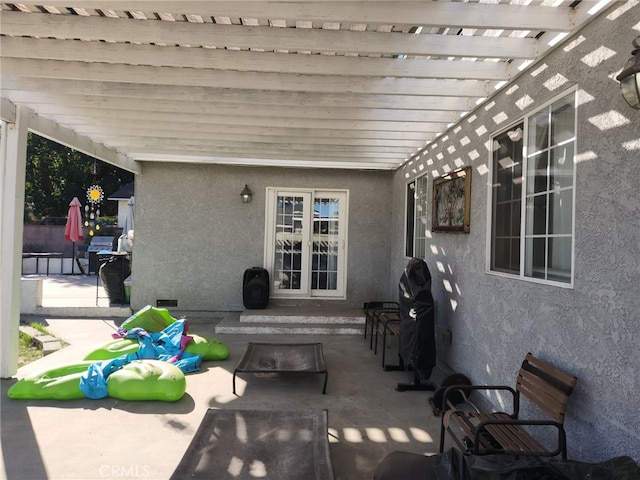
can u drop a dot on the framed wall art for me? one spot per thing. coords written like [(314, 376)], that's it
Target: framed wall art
[(451, 199)]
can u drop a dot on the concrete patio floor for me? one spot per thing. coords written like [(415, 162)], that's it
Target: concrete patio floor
[(108, 438)]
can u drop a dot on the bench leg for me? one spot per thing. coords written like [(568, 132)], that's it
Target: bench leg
[(324, 387), (234, 382), (442, 432)]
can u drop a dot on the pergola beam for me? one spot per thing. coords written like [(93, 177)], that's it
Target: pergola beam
[(51, 130)]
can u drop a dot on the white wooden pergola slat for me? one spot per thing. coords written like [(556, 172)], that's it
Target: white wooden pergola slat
[(249, 61), (232, 113), (267, 38), (480, 15), (166, 76)]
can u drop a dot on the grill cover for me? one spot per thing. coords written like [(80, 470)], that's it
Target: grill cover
[(417, 334)]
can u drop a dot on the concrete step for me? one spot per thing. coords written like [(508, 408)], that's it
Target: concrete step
[(289, 325), (46, 343), (309, 314)]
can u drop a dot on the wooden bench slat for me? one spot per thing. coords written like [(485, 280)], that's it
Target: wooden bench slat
[(514, 438), (548, 399), (552, 371)]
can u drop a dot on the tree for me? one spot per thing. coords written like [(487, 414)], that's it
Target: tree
[(55, 174)]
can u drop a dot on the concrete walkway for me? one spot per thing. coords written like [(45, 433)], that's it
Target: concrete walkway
[(70, 296), (97, 439)]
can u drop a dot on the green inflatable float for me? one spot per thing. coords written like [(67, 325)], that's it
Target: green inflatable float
[(150, 318), (208, 347), (138, 380), (62, 383), (147, 380)]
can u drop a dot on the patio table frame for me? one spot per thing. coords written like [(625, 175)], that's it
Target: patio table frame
[(277, 358)]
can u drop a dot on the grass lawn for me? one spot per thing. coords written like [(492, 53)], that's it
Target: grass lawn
[(28, 349)]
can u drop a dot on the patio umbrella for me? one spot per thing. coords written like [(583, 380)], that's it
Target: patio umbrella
[(73, 227)]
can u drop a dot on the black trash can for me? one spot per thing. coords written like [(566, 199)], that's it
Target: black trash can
[(255, 288), (113, 272), (417, 319)]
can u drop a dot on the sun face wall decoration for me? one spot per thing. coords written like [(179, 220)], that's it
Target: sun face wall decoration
[(95, 195)]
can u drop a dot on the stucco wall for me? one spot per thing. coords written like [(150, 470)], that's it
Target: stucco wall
[(194, 237), (592, 329)]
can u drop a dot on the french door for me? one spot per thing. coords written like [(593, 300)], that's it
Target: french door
[(305, 242)]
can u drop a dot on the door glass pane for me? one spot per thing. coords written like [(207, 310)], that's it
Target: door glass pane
[(288, 254), (326, 228)]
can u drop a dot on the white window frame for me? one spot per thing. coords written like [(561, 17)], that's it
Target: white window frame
[(419, 219), (526, 154)]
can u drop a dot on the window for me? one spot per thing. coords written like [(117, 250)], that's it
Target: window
[(416, 220), (409, 219), (532, 195)]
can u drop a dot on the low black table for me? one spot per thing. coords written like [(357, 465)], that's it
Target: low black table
[(266, 444), (282, 358)]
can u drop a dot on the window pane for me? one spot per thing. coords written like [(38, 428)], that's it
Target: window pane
[(539, 132), (515, 218), (536, 253), (562, 167), (408, 247), (507, 191), (560, 213), (506, 256), (560, 259), (502, 226), (563, 121), (421, 211), (537, 215), (288, 255), (324, 251), (537, 174)]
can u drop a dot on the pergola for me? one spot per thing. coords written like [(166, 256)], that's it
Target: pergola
[(324, 84), (338, 84)]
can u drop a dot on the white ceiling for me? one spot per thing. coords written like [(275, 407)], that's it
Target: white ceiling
[(332, 84)]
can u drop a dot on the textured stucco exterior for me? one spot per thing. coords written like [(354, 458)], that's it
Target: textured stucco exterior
[(194, 237), (590, 330)]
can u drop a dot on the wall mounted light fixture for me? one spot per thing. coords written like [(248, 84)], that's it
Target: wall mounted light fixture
[(246, 194), (629, 78)]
